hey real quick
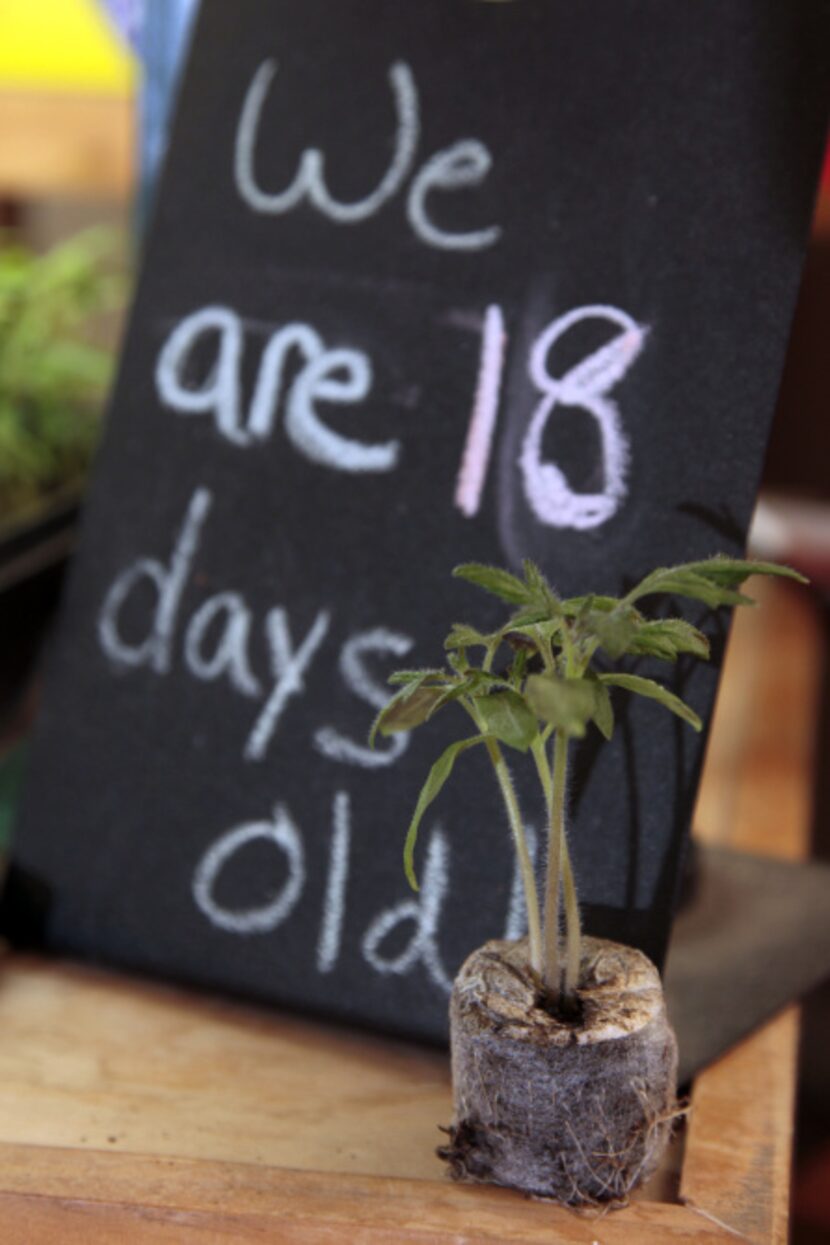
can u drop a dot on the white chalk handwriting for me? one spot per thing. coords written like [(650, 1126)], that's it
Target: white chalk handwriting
[(461, 166)]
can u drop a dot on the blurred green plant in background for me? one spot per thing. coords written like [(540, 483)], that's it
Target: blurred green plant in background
[(53, 374)]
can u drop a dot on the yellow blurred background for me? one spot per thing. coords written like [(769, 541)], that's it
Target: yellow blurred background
[(62, 45)]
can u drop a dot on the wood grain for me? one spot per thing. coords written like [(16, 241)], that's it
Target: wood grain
[(92, 1060), (737, 1166), (756, 791), (756, 795), (146, 1199)]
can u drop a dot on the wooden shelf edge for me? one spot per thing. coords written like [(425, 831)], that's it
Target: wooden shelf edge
[(739, 1145), (148, 1198)]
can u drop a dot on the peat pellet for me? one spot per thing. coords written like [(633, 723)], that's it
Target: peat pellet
[(577, 1109)]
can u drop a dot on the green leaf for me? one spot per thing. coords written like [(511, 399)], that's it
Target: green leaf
[(533, 615), (733, 571), (506, 715), (666, 638), (575, 605), (603, 710), (545, 629), (464, 636), (568, 704), (615, 631), (481, 681), (500, 583), (457, 659), (436, 778), (681, 582), (540, 589), (465, 687), (713, 581), (408, 708), (653, 691), (416, 676), (534, 578)]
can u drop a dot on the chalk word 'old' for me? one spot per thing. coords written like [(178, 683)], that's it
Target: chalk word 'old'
[(422, 912)]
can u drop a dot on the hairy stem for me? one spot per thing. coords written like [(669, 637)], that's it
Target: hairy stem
[(543, 769), (540, 756), (573, 924), (551, 970), (534, 924)]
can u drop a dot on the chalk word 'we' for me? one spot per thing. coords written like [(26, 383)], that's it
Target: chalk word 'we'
[(463, 165)]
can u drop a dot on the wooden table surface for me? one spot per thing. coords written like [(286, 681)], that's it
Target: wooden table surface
[(132, 1112)]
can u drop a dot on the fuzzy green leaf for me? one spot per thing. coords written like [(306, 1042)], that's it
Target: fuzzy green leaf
[(532, 615), (540, 589), (603, 715), (653, 691), (681, 582), (457, 660), (408, 708), (615, 630), (498, 582), (454, 691), (436, 778), (714, 581), (475, 683), (408, 677), (575, 605), (464, 636), (545, 629), (506, 715), (534, 578), (568, 704), (666, 638), (732, 572)]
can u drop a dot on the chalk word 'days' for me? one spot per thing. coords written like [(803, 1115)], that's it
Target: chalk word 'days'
[(422, 912), (137, 629), (463, 165)]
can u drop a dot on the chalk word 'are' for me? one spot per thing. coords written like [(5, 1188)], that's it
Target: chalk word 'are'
[(340, 376), (463, 165), (217, 643)]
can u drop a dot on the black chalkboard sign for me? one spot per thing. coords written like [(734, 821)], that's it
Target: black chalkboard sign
[(426, 283)]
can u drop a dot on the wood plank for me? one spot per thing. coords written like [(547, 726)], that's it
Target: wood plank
[(756, 795), (756, 791), (737, 1166), (91, 1059), (53, 143), (138, 1198)]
